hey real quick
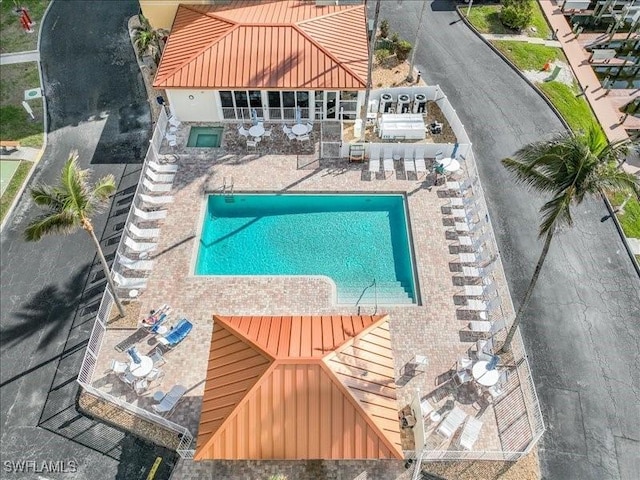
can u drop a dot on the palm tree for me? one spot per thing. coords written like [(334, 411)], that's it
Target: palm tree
[(146, 39), (570, 167), (70, 205)]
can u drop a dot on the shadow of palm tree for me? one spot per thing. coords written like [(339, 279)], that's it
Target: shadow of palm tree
[(46, 311)]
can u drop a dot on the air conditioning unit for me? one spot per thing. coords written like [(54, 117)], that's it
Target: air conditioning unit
[(404, 103), (420, 103), (386, 101)]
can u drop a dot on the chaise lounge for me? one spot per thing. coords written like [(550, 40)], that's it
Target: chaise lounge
[(177, 334)]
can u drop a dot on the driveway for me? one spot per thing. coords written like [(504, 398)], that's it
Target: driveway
[(51, 289), (581, 330)]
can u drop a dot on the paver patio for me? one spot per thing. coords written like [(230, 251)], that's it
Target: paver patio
[(432, 328)]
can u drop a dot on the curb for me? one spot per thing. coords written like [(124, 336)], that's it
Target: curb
[(562, 120), (45, 127)]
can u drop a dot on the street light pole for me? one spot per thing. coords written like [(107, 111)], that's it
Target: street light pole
[(372, 46), (415, 43)]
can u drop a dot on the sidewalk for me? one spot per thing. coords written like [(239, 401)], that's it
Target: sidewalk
[(578, 58), (522, 38), (19, 57)]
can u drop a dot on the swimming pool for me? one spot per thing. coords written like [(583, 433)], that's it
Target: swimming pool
[(352, 239), (205, 137)]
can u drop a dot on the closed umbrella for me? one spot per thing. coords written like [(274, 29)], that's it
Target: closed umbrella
[(254, 116), (298, 115)]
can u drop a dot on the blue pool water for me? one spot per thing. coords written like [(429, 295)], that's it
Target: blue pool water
[(353, 239)]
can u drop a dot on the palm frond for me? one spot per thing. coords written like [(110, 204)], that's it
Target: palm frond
[(524, 174), (74, 183), (613, 179), (555, 213), (47, 224), (46, 196), (104, 187)]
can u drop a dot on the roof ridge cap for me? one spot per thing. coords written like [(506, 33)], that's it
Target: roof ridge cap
[(243, 337), (365, 331), (249, 393), (233, 26), (360, 409), (339, 62)]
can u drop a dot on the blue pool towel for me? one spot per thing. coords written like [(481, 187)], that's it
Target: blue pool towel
[(178, 333)]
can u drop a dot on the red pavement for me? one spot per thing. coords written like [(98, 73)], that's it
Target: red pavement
[(604, 109)]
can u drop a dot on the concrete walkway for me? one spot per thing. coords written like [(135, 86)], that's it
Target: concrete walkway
[(19, 57), (611, 120), (22, 153), (522, 38)]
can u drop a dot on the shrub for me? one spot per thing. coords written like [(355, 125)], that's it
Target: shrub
[(402, 49), (384, 28), (382, 54), (395, 38), (516, 14)]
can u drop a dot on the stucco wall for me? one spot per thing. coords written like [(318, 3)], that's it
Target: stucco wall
[(203, 107)]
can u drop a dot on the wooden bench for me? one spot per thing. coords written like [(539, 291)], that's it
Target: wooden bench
[(9, 145)]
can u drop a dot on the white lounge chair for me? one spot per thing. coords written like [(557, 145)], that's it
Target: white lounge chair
[(484, 349), (421, 166), (387, 162), (126, 282), (170, 400), (470, 433), (452, 422), (143, 232), (409, 166), (149, 216), (134, 264), (482, 308), (162, 167), (374, 160), (174, 121), (483, 326), (139, 247), (153, 187), (160, 177), (156, 200)]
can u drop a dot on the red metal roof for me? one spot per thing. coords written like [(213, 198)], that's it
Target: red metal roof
[(274, 44), (300, 388)]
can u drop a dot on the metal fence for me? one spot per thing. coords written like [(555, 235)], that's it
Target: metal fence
[(87, 369)]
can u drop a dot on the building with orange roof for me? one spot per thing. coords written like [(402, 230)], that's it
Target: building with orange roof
[(302, 387), (276, 60)]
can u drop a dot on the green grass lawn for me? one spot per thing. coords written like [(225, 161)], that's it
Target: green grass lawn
[(486, 19), (528, 56), (15, 123), (575, 111), (12, 37), (14, 186), (630, 219)]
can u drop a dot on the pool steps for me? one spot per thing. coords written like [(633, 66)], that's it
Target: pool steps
[(388, 293)]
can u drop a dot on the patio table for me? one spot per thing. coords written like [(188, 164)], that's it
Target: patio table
[(450, 164), (300, 129), (257, 130), (487, 378), (143, 368)]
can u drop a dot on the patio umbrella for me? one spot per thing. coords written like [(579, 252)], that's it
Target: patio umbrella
[(254, 116), (298, 115), (134, 355)]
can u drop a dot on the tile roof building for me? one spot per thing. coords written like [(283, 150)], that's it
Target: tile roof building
[(300, 388), (280, 58)]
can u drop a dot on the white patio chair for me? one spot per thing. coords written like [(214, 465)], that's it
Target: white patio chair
[(499, 388), (128, 378), (149, 216), (162, 167), (158, 358), (139, 247), (153, 187), (160, 177), (267, 133), (134, 264), (289, 134), (155, 375), (156, 200), (303, 138), (452, 422), (140, 386), (252, 144), (483, 349), (470, 433), (309, 127), (174, 121), (118, 367), (243, 131), (170, 137), (126, 282), (143, 232), (387, 162)]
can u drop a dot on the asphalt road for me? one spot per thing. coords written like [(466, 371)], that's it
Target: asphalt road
[(52, 289), (581, 331)]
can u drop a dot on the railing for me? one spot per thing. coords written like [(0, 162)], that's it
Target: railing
[(274, 114), (87, 369)]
